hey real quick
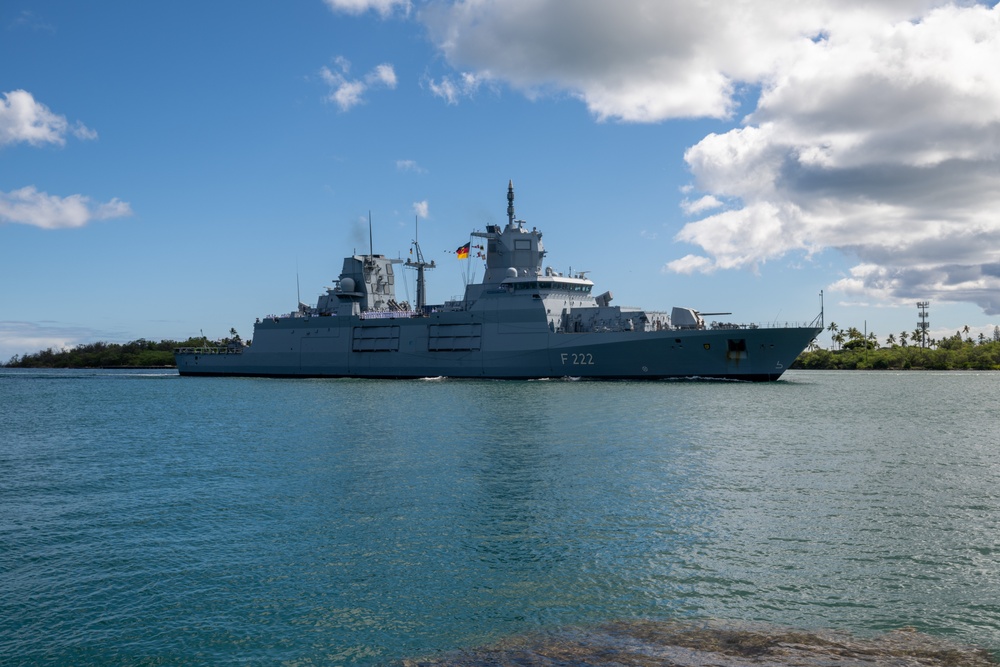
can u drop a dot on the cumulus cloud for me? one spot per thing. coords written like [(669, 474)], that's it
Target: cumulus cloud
[(23, 119), (28, 206), (17, 338), (421, 208), (21, 338), (348, 93), (700, 205), (634, 60), (875, 131), (383, 7), (881, 140)]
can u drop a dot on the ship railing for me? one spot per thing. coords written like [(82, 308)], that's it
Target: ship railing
[(388, 314), (760, 325), (208, 350)]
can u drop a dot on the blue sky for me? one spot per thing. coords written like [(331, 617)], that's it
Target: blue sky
[(172, 169)]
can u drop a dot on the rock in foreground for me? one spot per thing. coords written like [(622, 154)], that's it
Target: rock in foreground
[(713, 644)]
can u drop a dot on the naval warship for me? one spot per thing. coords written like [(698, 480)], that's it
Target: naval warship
[(519, 322)]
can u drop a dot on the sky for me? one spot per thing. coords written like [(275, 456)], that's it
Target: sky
[(168, 170)]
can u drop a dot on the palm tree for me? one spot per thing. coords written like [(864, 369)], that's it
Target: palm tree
[(873, 339), (838, 338), (903, 338), (833, 329), (891, 340), (917, 337), (854, 334)]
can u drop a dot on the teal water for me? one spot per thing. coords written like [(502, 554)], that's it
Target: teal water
[(151, 519)]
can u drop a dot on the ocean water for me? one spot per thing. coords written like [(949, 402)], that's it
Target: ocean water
[(157, 520)]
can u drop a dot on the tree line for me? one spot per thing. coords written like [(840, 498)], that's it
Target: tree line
[(140, 353), (853, 349)]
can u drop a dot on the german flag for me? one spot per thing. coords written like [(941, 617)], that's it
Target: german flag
[(463, 251)]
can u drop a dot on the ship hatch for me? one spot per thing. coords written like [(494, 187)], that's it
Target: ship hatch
[(737, 349), (376, 339)]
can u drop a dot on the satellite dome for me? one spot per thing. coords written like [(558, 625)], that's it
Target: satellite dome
[(347, 284), (511, 272)]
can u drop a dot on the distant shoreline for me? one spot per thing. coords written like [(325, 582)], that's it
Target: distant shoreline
[(951, 353)]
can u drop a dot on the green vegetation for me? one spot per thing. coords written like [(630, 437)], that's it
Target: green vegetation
[(136, 354), (855, 350)]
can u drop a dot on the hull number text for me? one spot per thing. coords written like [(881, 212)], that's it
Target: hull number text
[(574, 359)]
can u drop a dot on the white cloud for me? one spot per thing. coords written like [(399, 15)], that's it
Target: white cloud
[(446, 89), (410, 165), (690, 264), (421, 208), (746, 237), (20, 338), (876, 131), (383, 7), (706, 203), (384, 75), (348, 93), (451, 89), (881, 140), (636, 60), (29, 20), (81, 131), (868, 280), (30, 207), (23, 119)]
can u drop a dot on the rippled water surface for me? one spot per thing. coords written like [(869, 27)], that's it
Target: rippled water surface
[(148, 518)]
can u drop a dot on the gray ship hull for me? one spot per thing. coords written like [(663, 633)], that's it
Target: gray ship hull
[(461, 346)]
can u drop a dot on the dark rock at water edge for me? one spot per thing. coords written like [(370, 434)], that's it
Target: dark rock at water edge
[(712, 644)]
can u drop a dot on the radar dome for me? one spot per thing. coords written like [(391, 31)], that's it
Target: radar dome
[(511, 272), (347, 284)]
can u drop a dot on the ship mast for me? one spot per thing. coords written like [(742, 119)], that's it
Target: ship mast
[(510, 203), (419, 265)]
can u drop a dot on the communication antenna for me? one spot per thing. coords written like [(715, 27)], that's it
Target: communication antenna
[(923, 323)]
